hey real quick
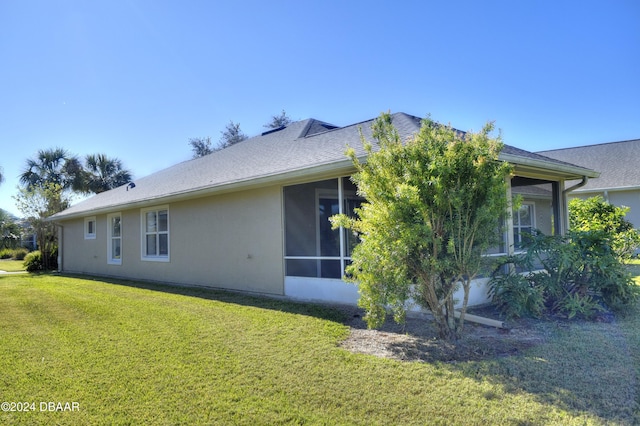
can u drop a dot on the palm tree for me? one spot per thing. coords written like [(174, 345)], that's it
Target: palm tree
[(103, 173), (55, 166)]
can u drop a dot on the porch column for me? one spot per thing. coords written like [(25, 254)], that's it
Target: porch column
[(562, 211), (509, 222)]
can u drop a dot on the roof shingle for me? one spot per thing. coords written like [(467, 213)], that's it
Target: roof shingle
[(300, 146), (617, 163)]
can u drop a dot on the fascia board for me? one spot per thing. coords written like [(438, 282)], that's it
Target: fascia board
[(323, 171), (570, 172)]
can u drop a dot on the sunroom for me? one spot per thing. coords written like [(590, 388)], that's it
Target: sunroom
[(316, 255)]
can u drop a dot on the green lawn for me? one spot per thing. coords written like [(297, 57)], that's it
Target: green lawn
[(130, 353), (634, 267), (11, 265)]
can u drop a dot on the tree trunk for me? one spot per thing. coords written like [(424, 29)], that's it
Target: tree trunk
[(451, 318), (445, 331), (466, 285), (442, 310)]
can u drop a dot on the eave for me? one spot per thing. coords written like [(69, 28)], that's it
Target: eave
[(319, 172), (534, 168)]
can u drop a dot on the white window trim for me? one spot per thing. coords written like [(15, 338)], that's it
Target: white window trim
[(342, 196), (519, 227), (87, 235), (111, 260), (143, 235)]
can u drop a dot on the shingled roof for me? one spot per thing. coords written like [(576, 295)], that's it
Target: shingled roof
[(307, 149), (617, 163)]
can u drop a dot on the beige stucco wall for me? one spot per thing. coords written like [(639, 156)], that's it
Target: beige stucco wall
[(232, 241), (629, 199), (82, 255), (543, 213)]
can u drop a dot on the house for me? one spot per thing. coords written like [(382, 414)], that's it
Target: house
[(617, 162), (254, 216)]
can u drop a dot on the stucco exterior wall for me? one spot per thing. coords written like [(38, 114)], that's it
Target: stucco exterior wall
[(544, 215), (232, 241), (629, 199), (80, 255)]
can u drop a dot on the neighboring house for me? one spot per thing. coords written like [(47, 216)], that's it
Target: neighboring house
[(617, 162), (254, 216)]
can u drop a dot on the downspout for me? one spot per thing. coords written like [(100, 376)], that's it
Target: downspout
[(578, 185), (60, 241), (584, 181)]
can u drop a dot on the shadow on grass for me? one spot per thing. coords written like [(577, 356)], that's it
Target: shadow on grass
[(262, 301), (581, 367), (577, 367)]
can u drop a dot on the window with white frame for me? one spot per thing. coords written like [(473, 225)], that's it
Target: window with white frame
[(90, 228), (114, 239), (155, 233), (523, 224)]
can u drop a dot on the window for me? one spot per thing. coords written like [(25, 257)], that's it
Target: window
[(155, 234), (90, 228), (523, 224), (313, 249), (114, 241), (501, 248)]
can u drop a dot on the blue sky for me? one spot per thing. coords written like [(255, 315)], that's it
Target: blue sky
[(136, 79)]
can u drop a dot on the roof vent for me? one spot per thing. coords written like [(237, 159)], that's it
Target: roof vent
[(315, 127), (273, 130)]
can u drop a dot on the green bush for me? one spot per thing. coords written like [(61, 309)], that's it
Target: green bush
[(20, 253), (17, 254), (596, 214), (33, 261), (582, 275), (514, 295)]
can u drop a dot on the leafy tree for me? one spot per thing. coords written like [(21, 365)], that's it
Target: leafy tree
[(9, 231), (1, 175), (103, 173), (54, 166), (201, 146), (231, 135), (278, 121), (37, 203), (595, 214), (431, 209)]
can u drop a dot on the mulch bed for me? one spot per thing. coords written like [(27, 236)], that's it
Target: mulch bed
[(417, 339)]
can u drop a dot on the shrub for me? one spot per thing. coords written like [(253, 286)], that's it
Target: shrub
[(582, 276), (20, 253), (33, 261), (514, 295), (17, 254), (596, 214)]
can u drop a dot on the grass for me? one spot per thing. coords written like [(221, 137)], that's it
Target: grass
[(131, 353), (633, 265), (11, 265)]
